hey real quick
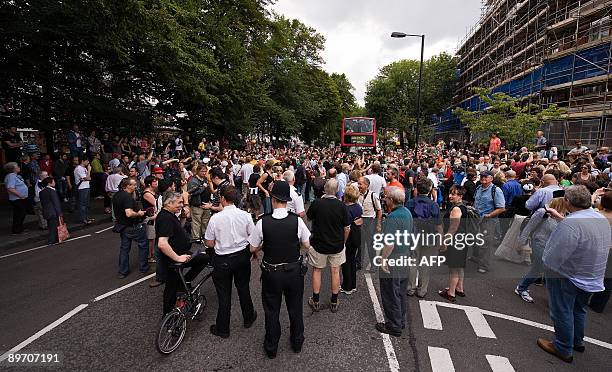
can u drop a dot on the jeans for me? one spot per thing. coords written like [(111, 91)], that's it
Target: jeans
[(567, 305), (535, 270), (138, 234), (299, 189), (393, 295), (84, 204), (62, 187)]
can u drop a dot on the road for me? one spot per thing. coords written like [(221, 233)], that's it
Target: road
[(490, 329)]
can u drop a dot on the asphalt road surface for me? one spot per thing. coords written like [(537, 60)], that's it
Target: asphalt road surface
[(491, 329)]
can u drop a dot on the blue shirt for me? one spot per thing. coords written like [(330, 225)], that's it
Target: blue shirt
[(15, 181), (541, 197), (578, 249), (399, 220), (342, 181), (483, 200), (511, 189)]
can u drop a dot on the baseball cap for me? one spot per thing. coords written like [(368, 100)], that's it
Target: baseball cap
[(486, 174), (157, 170)]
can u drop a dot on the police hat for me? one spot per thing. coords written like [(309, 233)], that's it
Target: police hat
[(281, 191)]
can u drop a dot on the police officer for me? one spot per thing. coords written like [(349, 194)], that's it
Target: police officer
[(279, 236)]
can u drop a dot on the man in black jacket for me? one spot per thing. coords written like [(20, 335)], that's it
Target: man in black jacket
[(51, 208)]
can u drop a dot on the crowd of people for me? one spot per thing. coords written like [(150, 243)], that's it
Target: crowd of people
[(164, 192)]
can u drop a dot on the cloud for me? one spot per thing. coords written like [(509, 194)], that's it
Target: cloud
[(357, 32)]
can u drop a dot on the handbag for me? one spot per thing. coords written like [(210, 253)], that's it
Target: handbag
[(62, 230)]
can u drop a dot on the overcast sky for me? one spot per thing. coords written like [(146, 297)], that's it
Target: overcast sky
[(357, 31)]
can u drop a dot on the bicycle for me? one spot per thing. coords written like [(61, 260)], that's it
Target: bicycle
[(189, 305)]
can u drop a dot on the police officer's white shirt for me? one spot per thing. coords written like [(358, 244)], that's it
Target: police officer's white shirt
[(256, 238), (296, 205), (230, 229), (377, 183)]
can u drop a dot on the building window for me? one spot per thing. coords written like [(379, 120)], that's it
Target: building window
[(599, 29)]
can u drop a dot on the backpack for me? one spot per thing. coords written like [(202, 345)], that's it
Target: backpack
[(470, 217)]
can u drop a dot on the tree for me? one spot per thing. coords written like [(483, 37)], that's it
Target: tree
[(391, 96), (506, 116)]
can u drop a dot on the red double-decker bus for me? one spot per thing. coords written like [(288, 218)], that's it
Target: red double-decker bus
[(358, 132)]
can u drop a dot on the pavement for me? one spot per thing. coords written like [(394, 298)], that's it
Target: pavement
[(33, 232), (67, 299)]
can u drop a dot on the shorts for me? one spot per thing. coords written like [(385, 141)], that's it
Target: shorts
[(150, 232), (320, 260)]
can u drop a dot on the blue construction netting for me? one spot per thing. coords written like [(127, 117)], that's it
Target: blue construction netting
[(588, 63)]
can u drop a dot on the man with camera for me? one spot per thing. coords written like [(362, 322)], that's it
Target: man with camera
[(199, 193), (130, 227)]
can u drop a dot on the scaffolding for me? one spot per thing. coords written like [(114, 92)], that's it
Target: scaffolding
[(544, 52)]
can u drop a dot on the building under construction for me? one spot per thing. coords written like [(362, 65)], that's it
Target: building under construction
[(545, 52)]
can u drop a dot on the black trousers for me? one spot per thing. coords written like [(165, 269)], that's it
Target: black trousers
[(236, 268), (20, 208), (393, 295), (349, 267), (173, 280), (273, 286), (52, 224)]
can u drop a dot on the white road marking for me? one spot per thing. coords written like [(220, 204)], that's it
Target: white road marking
[(24, 251), (479, 323), (430, 315), (391, 357), (114, 291), (103, 230), (531, 323), (440, 359), (499, 363), (44, 246), (43, 331)]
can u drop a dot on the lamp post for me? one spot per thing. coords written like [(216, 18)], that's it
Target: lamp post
[(400, 35)]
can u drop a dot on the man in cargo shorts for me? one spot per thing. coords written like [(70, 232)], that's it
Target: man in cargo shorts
[(330, 229)]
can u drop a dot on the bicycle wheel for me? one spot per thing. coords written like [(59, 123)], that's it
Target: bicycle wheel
[(199, 307), (171, 332)]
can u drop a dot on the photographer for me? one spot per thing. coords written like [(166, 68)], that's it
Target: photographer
[(130, 226), (199, 194)]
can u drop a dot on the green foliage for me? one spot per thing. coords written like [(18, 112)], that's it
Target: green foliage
[(392, 95), (505, 116), (213, 66)]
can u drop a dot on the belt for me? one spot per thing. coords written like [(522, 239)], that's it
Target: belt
[(285, 266), (233, 254)]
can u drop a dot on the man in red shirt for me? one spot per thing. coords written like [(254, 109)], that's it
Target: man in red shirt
[(494, 144), (392, 178), (519, 166)]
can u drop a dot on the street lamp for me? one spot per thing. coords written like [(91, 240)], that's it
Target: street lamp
[(400, 35)]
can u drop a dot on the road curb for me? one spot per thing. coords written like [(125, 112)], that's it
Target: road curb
[(43, 234)]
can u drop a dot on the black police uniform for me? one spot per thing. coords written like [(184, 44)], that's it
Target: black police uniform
[(282, 274)]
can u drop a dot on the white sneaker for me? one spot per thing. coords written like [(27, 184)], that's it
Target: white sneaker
[(524, 295), (345, 292), (353, 290)]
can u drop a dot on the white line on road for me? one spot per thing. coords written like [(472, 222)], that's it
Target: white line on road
[(103, 230), (479, 323), (43, 331), (499, 363), (531, 323), (44, 246), (391, 357), (440, 359), (110, 293), (430, 315)]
